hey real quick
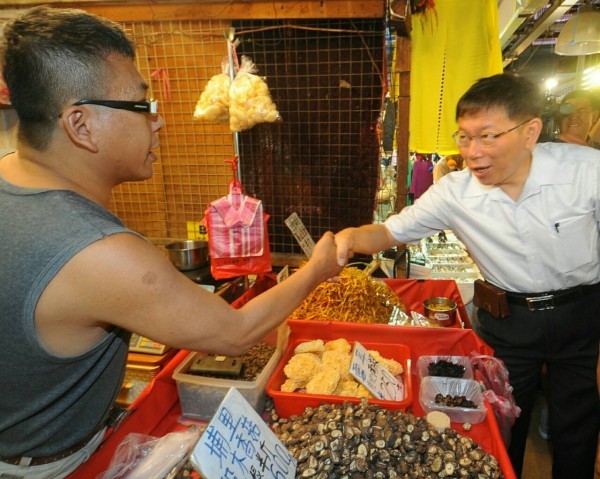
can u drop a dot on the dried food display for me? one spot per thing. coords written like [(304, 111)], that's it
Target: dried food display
[(460, 399), (454, 401), (355, 297), (213, 104), (253, 361), (364, 440), (319, 367), (446, 368), (250, 101)]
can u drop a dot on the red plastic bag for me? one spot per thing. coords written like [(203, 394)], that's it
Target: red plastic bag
[(237, 236), (492, 374)]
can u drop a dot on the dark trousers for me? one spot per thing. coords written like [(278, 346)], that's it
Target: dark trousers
[(566, 340)]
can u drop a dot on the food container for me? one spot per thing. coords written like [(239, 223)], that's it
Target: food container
[(441, 310), (470, 389), (188, 255), (424, 361), (200, 396), (289, 403)]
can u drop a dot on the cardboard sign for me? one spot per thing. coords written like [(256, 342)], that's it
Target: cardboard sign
[(294, 223), (238, 444), (372, 375)]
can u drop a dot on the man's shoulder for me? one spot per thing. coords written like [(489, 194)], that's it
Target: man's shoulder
[(563, 150)]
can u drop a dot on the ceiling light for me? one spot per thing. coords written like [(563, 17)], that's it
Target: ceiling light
[(550, 84), (581, 34)]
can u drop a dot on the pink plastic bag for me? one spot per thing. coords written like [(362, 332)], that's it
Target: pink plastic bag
[(492, 374), (237, 235)]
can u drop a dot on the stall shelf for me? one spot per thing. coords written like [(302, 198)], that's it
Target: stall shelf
[(157, 410)]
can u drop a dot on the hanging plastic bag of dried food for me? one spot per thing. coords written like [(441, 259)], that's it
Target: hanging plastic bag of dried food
[(213, 104), (250, 101)]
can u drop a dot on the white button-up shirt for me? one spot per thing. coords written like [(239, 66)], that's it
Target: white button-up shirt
[(547, 240)]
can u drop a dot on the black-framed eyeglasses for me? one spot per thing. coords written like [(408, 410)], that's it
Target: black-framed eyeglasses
[(486, 139), (150, 107)]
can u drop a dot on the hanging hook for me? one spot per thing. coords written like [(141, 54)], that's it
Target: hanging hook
[(235, 187)]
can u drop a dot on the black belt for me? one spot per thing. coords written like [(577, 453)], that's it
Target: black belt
[(38, 461), (551, 299)]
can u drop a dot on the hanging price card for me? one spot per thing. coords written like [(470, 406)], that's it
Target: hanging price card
[(294, 223)]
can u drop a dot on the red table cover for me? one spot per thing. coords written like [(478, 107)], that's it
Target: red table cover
[(157, 411)]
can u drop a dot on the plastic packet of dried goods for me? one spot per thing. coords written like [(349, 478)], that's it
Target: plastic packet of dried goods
[(250, 101), (213, 104), (147, 457)]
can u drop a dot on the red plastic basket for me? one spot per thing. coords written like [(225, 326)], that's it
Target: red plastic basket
[(287, 404)]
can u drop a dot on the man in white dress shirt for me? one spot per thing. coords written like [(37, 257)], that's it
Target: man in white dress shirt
[(529, 215)]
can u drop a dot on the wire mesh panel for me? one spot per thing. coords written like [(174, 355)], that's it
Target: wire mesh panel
[(322, 160), (177, 59)]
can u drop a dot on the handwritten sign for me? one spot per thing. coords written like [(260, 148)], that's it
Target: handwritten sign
[(294, 223), (372, 375), (237, 444)]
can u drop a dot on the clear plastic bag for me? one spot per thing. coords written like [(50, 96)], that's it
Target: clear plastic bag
[(213, 104), (250, 101), (431, 386), (140, 456)]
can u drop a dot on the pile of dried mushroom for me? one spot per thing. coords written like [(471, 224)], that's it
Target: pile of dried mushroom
[(365, 441)]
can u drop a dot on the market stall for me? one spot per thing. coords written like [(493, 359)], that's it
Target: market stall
[(157, 411)]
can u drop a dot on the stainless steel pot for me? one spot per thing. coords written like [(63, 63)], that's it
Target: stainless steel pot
[(188, 255)]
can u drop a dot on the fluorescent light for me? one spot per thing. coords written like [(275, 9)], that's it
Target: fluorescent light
[(591, 78)]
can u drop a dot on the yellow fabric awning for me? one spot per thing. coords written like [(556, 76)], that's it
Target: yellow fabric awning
[(452, 47)]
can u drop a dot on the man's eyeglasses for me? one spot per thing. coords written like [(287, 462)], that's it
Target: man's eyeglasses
[(486, 139), (150, 107)]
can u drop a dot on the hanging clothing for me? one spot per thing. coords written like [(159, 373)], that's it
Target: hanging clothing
[(422, 176), (451, 49)]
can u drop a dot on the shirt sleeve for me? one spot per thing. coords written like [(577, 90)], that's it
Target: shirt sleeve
[(427, 216)]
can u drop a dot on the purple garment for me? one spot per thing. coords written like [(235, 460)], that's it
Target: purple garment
[(422, 177)]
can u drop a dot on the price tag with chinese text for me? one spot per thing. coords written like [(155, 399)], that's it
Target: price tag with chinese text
[(238, 444), (294, 223), (372, 375)]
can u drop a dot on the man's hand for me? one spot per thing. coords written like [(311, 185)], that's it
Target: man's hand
[(324, 259), (344, 241)]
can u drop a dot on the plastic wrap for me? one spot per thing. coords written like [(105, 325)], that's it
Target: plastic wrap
[(146, 457), (213, 104), (424, 361), (492, 374), (433, 385), (250, 101)]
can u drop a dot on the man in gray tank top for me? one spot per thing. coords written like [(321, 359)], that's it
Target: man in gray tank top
[(74, 281)]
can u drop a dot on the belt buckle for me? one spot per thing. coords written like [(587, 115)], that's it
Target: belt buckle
[(540, 303)]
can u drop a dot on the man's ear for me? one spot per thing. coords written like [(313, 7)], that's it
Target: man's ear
[(534, 130), (79, 126)]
